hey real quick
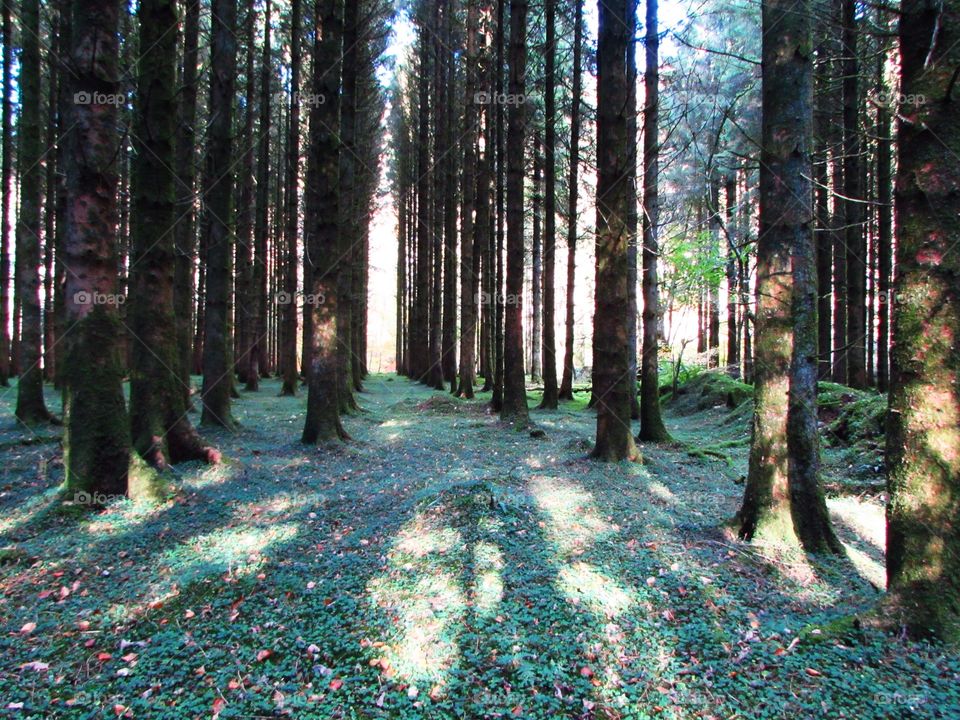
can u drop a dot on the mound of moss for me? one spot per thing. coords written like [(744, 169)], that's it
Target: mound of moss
[(709, 390)]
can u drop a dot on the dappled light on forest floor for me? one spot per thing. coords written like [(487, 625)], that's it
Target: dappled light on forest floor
[(460, 569)]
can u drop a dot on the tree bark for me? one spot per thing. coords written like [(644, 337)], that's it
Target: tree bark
[(218, 202), (566, 382), (923, 437), (31, 408), (6, 194), (514, 408), (549, 350), (651, 420), (288, 309), (611, 362)]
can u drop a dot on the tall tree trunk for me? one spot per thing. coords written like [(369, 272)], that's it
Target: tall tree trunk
[(245, 302), (783, 498), (855, 238), (651, 421), (611, 362), (50, 258), (733, 332), (923, 437), (884, 234), (30, 408), (550, 394), (514, 386), (566, 382), (288, 309), (536, 264), (160, 429), (632, 220), (96, 441), (449, 335), (420, 332), (322, 220), (713, 286), (218, 203), (6, 194), (496, 399), (185, 230), (259, 360), (469, 190)]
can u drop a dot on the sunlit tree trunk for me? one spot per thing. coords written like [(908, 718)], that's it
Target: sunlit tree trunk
[(923, 437), (783, 499), (549, 359)]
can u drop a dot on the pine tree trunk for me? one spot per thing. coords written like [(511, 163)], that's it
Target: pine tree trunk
[(566, 382), (96, 439), (31, 408), (632, 220), (536, 265), (6, 194), (218, 202), (611, 361), (923, 436), (160, 429), (514, 408), (321, 221), (420, 331), (884, 236), (549, 350), (733, 332), (288, 309), (783, 500), (244, 303), (855, 238), (651, 421), (496, 400)]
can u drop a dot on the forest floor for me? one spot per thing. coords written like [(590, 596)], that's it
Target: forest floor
[(440, 565)]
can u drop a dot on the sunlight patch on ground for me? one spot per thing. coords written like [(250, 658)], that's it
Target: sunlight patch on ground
[(582, 583), (868, 568), (866, 519), (488, 583), (279, 507), (212, 475), (574, 521), (658, 489), (124, 515), (422, 536), (28, 510)]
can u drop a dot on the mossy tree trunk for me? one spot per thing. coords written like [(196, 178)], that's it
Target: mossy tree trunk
[(651, 420), (611, 362), (31, 408), (923, 437), (160, 429), (322, 223), (566, 382), (783, 499), (218, 203), (97, 435), (514, 408)]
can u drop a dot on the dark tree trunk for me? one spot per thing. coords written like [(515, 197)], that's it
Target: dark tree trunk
[(884, 237), (420, 330), (783, 499), (185, 229), (923, 546), (288, 309), (611, 361), (6, 194), (632, 220), (536, 265), (321, 220), (469, 190), (550, 394), (259, 361), (651, 421), (218, 202), (245, 302), (566, 382), (449, 332), (496, 400), (733, 332), (713, 286), (30, 408), (514, 386), (160, 429), (96, 441), (854, 236)]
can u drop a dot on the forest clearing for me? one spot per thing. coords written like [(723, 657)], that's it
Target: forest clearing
[(480, 359)]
